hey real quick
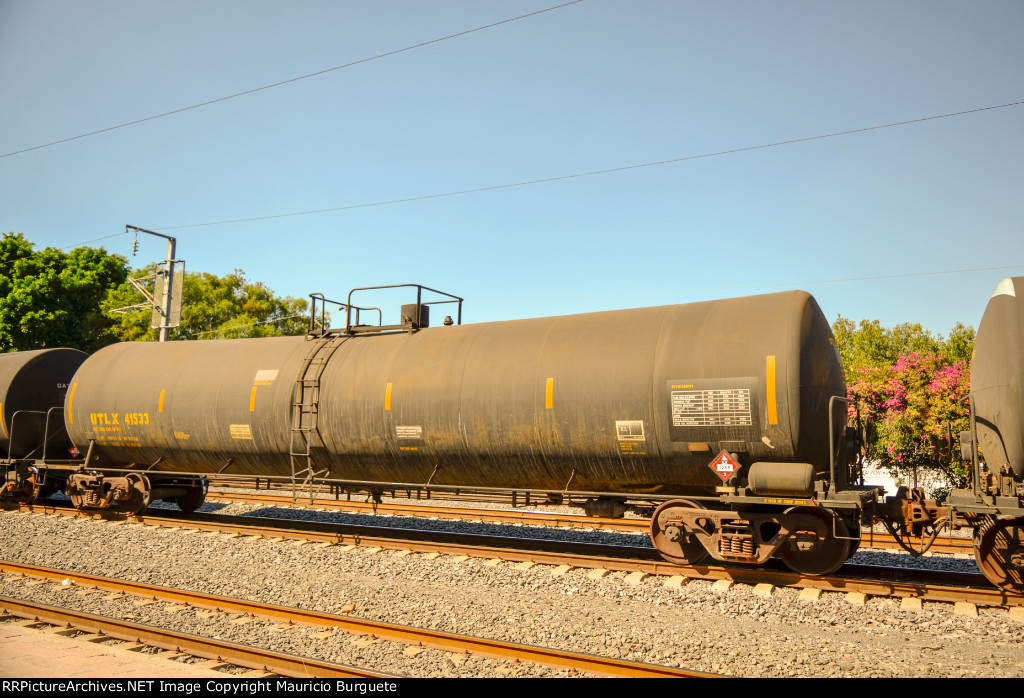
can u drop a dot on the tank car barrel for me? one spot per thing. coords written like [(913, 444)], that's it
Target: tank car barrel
[(630, 401)]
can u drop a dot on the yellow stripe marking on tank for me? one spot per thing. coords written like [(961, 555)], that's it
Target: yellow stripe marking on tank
[(549, 394), (773, 407), (71, 404), (252, 399), (387, 398), (160, 407), (3, 424)]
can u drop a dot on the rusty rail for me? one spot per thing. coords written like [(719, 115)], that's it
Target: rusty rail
[(604, 666), (207, 648), (505, 516)]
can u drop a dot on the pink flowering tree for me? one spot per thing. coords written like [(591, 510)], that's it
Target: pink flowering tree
[(912, 407)]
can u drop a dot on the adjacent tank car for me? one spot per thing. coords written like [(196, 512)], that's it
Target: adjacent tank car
[(993, 504), (33, 385)]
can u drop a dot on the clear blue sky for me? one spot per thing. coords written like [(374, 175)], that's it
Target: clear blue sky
[(596, 85)]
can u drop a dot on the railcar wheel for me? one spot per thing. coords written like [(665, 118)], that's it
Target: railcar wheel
[(194, 498), (139, 496), (811, 553), (27, 493), (999, 550), (21, 486), (672, 542)]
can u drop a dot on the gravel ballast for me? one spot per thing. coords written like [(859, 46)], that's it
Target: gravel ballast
[(737, 632)]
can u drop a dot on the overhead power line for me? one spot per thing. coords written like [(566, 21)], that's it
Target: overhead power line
[(290, 80), (595, 172), (105, 237)]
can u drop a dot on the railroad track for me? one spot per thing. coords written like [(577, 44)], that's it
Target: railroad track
[(869, 540), (257, 659), (420, 637), (927, 585), (463, 513)]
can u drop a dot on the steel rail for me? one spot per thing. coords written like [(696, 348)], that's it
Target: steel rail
[(394, 538), (942, 545), (208, 648), (537, 518), (470, 495), (408, 635)]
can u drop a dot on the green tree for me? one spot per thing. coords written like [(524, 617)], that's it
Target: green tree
[(910, 387), (912, 408), (49, 298), (214, 307), (960, 345), (871, 345)]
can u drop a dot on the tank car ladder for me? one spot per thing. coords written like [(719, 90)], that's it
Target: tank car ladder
[(305, 415)]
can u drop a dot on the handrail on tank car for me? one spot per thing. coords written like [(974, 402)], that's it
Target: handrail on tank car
[(10, 442), (420, 288), (46, 428), (975, 465), (832, 439), (323, 312)]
